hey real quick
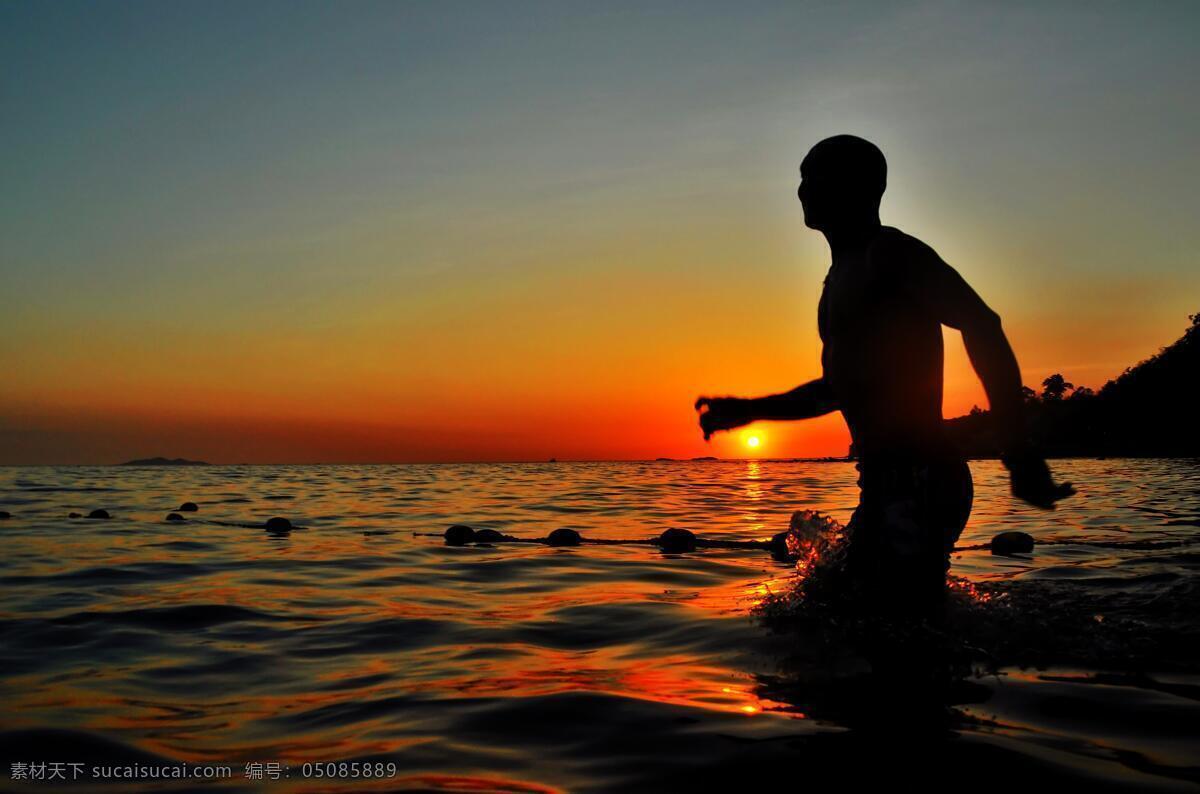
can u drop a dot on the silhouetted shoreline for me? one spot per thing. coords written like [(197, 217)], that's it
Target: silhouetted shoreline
[(163, 462), (1146, 412)]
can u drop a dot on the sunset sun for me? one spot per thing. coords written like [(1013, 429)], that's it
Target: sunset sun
[(753, 441)]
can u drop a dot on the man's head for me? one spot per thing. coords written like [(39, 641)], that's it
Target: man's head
[(841, 182)]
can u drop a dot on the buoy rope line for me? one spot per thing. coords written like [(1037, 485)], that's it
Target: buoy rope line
[(671, 539), (682, 540), (1134, 545)]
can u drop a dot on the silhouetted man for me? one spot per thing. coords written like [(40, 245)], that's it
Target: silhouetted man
[(885, 299)]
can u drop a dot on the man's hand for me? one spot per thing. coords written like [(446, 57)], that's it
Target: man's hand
[(723, 413), (1031, 482)]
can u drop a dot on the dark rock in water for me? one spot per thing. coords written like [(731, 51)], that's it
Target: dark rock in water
[(5, 514), (278, 525), (188, 507), (1012, 543), (74, 515), (99, 514), (459, 535), (174, 517), (564, 537), (677, 540), (488, 536)]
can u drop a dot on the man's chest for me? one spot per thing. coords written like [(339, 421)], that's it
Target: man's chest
[(850, 300)]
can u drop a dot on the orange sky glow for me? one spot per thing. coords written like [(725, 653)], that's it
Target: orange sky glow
[(428, 246)]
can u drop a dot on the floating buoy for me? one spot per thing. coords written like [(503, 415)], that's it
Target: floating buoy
[(99, 514), (564, 537), (677, 540), (1012, 543), (277, 525), (5, 514), (779, 546), (174, 517), (488, 536), (459, 535), (188, 507)]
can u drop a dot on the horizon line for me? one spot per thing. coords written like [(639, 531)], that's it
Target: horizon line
[(695, 459)]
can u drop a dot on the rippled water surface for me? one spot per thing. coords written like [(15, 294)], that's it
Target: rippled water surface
[(517, 667)]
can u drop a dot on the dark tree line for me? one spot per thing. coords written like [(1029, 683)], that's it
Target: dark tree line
[(1151, 409)]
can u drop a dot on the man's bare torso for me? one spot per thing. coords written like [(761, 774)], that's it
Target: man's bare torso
[(882, 354)]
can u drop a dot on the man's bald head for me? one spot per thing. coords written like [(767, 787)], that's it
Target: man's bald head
[(842, 181)]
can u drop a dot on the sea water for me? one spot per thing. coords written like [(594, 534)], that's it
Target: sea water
[(357, 639)]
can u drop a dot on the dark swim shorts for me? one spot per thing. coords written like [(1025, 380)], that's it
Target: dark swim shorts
[(909, 516)]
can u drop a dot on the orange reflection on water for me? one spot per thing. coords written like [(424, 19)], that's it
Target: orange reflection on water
[(971, 591), (208, 727), (752, 493), (740, 597), (532, 671)]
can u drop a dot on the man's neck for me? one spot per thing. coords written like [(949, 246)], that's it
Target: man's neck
[(849, 237)]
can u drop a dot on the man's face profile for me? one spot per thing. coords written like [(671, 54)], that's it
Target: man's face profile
[(841, 180), (809, 194)]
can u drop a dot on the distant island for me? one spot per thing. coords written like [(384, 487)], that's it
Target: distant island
[(163, 462), (1150, 410)]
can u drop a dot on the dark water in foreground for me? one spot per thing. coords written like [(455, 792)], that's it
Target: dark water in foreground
[(600, 668)]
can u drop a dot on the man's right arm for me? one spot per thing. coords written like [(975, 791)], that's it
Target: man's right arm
[(806, 401), (814, 398)]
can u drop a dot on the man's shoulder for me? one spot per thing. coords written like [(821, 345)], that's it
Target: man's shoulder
[(901, 259), (900, 248)]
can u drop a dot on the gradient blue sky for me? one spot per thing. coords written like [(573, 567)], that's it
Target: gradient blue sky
[(399, 231)]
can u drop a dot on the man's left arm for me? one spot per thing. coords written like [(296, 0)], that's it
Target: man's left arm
[(957, 305)]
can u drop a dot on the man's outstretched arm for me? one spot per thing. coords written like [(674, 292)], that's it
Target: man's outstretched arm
[(958, 306), (814, 398)]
